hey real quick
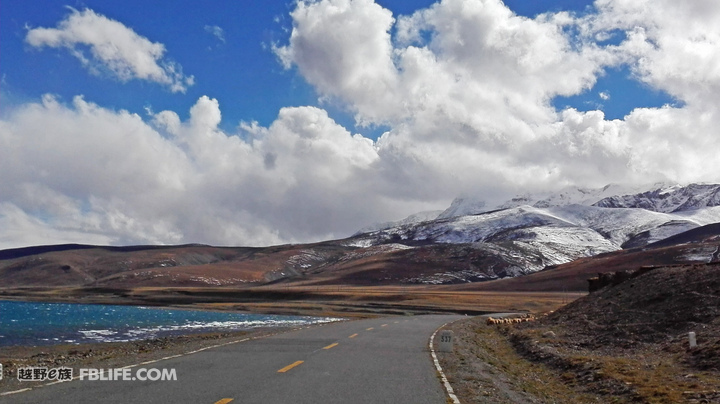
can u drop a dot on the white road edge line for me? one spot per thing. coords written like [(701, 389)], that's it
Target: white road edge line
[(169, 357), (7, 393), (448, 387)]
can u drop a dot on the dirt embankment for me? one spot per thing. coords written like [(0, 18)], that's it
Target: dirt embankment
[(624, 343)]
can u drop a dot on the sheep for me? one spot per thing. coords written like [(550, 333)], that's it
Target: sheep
[(514, 320)]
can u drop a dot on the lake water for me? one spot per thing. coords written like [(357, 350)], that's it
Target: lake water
[(30, 323)]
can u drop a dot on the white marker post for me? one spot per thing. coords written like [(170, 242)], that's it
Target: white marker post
[(446, 341), (692, 339)]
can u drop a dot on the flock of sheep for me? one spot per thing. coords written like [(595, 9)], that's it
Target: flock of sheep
[(508, 320)]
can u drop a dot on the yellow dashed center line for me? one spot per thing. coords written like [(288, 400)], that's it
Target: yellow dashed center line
[(368, 329), (384, 325), (224, 401), (353, 336), (290, 366), (331, 345)]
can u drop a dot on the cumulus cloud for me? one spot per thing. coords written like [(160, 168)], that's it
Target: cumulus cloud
[(78, 168), (465, 89), (112, 47), (343, 48)]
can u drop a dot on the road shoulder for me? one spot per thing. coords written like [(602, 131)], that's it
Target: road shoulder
[(485, 368)]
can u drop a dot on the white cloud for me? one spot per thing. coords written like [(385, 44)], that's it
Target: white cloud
[(112, 47), (671, 45), (466, 87), (344, 50), (216, 31), (80, 169), (21, 229)]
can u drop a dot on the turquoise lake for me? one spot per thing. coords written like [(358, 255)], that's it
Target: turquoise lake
[(30, 323)]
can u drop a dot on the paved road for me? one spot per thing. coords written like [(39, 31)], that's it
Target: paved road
[(369, 361)]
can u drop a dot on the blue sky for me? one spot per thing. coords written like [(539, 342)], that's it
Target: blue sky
[(336, 113), (240, 70)]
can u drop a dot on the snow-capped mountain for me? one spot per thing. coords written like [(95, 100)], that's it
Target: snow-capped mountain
[(467, 242), (533, 232), (463, 206)]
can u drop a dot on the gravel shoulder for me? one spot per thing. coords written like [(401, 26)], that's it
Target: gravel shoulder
[(538, 363), (485, 368)]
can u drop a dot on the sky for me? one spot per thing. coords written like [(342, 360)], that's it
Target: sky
[(270, 122)]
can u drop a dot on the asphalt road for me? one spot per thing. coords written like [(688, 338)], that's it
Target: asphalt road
[(383, 360)]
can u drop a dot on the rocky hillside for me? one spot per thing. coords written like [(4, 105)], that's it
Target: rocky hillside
[(629, 342)]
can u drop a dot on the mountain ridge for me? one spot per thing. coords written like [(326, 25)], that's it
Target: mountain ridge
[(499, 243)]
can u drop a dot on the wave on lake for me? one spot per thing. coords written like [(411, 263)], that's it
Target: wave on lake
[(31, 323)]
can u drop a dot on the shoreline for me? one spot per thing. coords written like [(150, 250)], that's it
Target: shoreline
[(92, 333), (345, 302), (106, 355)]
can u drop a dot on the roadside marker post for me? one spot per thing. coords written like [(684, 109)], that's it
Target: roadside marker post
[(445, 344), (693, 340)]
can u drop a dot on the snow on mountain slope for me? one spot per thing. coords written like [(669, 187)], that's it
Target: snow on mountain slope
[(412, 219), (661, 198), (571, 195), (542, 234), (658, 233), (619, 225), (702, 217), (614, 225), (669, 199), (470, 228), (475, 228), (526, 238), (560, 245), (463, 206), (589, 196)]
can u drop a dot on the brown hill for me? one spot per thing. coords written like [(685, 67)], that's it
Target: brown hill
[(328, 263), (192, 265), (659, 306), (465, 266), (630, 342)]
